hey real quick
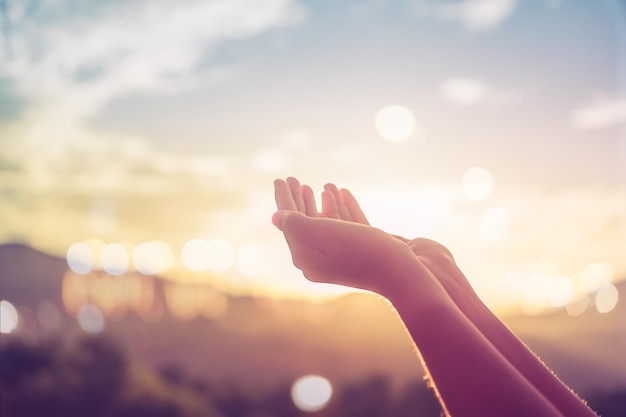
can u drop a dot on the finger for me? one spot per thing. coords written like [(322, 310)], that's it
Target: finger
[(353, 207), (344, 213), (329, 205), (283, 196), (309, 201), (296, 193)]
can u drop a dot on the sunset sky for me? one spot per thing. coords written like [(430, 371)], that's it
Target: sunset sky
[(149, 120)]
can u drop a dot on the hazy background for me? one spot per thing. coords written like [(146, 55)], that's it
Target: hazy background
[(139, 141)]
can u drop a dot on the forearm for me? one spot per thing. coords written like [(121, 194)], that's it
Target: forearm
[(471, 377), (516, 352)]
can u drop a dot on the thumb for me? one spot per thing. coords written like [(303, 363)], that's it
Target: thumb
[(281, 218), (299, 227)]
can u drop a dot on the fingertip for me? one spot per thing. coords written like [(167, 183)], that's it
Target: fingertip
[(278, 219)]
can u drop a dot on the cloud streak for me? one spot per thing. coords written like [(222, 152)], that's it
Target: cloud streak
[(476, 15), (600, 113)]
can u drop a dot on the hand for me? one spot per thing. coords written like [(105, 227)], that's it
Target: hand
[(329, 249), (341, 204)]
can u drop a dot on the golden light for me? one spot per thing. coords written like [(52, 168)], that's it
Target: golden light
[(395, 123), (182, 300), (91, 319), (74, 291), (254, 260), (194, 255), (114, 259), (510, 287), (8, 317), (220, 255), (534, 297), (577, 306), (80, 258), (311, 392), (477, 183), (594, 275), (152, 258), (560, 291), (606, 298), (495, 223)]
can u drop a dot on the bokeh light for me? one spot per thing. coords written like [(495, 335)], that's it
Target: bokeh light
[(560, 291), (80, 258), (195, 254), (594, 275), (48, 316), (477, 183), (8, 317), (534, 297), (495, 223), (91, 319), (220, 255), (254, 260), (114, 259), (311, 392), (152, 258), (577, 306), (606, 298), (463, 91), (395, 123)]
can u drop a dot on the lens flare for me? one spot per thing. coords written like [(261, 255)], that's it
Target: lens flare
[(395, 123), (220, 255), (91, 319), (114, 259), (477, 183), (311, 392), (152, 258), (80, 258), (8, 317), (606, 298), (194, 255)]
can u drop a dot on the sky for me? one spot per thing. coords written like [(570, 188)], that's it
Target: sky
[(497, 127)]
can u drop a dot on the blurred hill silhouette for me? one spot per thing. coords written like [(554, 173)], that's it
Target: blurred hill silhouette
[(272, 342)]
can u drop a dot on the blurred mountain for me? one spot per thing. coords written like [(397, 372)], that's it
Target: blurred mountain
[(265, 341)]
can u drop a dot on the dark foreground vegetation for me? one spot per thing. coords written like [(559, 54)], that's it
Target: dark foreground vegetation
[(94, 377)]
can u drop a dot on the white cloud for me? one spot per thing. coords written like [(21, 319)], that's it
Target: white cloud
[(69, 61), (474, 14), (125, 46), (463, 91), (601, 112)]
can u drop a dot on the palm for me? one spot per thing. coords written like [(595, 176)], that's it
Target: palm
[(329, 248), (340, 204)]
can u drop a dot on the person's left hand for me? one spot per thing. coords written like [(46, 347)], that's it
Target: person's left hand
[(338, 251)]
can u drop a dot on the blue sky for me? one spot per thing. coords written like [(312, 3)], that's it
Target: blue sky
[(143, 120)]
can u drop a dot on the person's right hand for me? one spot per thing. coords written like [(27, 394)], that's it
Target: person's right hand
[(341, 204), (334, 250)]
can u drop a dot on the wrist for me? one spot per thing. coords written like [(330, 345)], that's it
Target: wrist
[(414, 290)]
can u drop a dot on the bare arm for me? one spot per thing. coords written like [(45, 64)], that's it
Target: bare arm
[(471, 376), (439, 260)]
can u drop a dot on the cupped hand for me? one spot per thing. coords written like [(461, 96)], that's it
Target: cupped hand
[(331, 247), (341, 204)]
